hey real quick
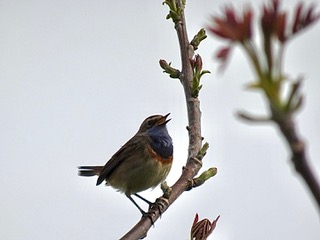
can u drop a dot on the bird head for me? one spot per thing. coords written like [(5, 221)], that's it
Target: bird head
[(152, 121)]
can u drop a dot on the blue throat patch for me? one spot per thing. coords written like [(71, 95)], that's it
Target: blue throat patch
[(161, 142)]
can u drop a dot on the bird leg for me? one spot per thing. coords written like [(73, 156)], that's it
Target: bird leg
[(151, 204), (144, 214), (143, 199), (140, 209), (158, 204)]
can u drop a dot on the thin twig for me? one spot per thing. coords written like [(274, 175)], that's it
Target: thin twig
[(195, 139)]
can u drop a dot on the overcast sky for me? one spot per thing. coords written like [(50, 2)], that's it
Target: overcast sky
[(77, 79)]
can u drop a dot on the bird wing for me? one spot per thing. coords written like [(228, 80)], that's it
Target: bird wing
[(134, 145)]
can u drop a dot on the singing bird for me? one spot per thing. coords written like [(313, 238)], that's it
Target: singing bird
[(141, 163)]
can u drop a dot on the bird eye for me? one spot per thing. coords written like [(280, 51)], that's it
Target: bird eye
[(149, 123)]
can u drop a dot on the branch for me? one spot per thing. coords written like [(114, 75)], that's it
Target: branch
[(299, 158), (267, 65), (195, 154)]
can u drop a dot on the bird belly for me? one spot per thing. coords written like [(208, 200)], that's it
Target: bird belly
[(139, 174)]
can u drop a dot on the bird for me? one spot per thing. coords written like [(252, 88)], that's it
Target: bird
[(141, 163)]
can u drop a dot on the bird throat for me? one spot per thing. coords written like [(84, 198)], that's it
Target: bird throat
[(161, 142)]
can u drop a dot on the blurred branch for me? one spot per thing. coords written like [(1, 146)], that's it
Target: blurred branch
[(299, 158), (250, 118), (191, 66), (266, 60)]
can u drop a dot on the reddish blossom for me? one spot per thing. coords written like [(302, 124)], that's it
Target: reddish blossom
[(233, 27), (280, 27), (269, 17), (237, 28), (223, 55), (273, 22), (202, 229), (304, 18)]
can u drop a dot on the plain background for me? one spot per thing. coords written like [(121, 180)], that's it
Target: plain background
[(77, 79)]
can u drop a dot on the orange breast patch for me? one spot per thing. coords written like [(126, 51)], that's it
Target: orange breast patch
[(159, 158)]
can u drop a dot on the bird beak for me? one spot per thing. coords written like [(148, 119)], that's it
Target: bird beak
[(164, 120)]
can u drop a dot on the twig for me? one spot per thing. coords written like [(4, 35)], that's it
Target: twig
[(194, 129), (299, 158), (267, 64)]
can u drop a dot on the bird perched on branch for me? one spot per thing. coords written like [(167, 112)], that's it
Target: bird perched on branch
[(142, 163)]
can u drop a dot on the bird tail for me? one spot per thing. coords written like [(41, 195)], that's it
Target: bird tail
[(89, 171)]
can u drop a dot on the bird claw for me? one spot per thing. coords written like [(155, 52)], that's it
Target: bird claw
[(158, 205), (149, 215), (155, 207)]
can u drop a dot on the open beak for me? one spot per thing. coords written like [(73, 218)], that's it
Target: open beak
[(164, 120)]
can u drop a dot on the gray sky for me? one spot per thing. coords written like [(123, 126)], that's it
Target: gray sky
[(78, 78)]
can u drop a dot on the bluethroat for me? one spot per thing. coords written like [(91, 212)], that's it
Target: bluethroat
[(143, 162)]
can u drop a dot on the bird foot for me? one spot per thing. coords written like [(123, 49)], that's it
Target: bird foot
[(149, 215), (159, 205)]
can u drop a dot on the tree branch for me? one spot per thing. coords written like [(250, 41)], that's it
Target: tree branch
[(299, 158), (193, 164), (267, 64)]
